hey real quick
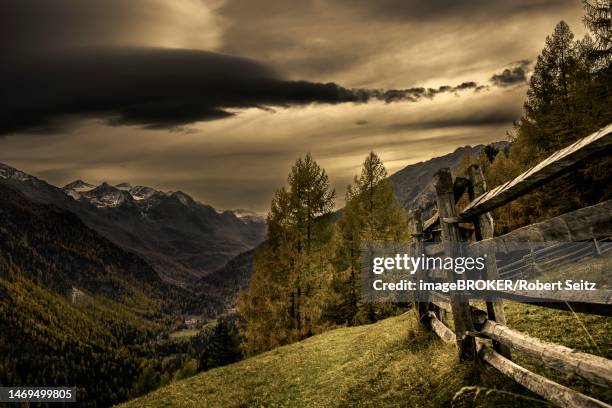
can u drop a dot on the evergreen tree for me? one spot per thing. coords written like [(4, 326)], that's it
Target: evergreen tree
[(371, 214), (569, 97), (222, 345), (598, 19), (548, 121), (281, 306)]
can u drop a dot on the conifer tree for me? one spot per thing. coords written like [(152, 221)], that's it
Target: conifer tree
[(598, 19), (371, 214), (569, 96), (280, 307)]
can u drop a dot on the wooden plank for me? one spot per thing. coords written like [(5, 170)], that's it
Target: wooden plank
[(442, 305), (484, 230), (556, 393), (594, 369), (578, 225), (451, 236), (570, 301), (599, 296), (441, 330), (422, 307), (431, 222), (598, 309), (558, 163), (434, 249)]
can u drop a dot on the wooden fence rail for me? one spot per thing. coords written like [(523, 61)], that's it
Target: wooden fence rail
[(556, 393), (545, 171), (472, 325), (594, 369)]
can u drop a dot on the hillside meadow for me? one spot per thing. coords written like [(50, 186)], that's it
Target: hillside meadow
[(394, 362)]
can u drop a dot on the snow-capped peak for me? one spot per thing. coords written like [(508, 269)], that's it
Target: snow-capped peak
[(78, 185), (76, 188), (183, 198), (248, 215), (106, 195), (142, 192), (124, 186), (8, 172)]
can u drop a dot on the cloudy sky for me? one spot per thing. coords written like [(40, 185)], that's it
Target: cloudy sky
[(218, 97)]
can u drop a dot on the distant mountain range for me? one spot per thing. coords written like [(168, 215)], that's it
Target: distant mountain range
[(191, 244), (413, 185), (53, 248), (182, 239)]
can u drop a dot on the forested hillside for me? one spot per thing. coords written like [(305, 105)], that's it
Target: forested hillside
[(181, 238), (569, 97), (75, 308)]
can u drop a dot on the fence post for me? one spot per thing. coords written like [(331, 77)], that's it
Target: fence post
[(451, 236), (597, 247), (483, 226), (422, 307)]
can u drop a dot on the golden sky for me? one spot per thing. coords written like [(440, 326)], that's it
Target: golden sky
[(91, 90)]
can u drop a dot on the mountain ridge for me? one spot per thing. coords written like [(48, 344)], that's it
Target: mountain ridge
[(181, 238)]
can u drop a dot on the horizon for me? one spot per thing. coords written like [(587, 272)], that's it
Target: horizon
[(218, 98), (260, 212)]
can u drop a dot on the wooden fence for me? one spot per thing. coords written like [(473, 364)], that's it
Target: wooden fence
[(471, 325)]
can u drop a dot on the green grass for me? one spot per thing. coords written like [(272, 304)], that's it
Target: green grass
[(587, 333), (394, 362), (185, 333)]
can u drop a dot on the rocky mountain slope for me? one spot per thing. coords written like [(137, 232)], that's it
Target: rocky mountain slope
[(413, 185), (74, 307), (53, 248), (182, 239)]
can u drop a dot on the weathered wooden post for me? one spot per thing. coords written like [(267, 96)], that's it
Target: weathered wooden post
[(596, 244), (422, 307), (484, 229), (451, 237)]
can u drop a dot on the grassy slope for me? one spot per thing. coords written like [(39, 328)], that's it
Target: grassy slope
[(394, 362)]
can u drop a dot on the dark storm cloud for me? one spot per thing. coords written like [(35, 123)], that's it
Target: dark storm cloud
[(159, 88), (34, 25), (514, 75), (417, 93), (491, 116), (155, 88)]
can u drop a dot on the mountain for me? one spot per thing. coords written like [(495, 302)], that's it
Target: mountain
[(74, 307), (216, 292), (182, 239), (55, 249), (413, 185), (248, 215), (76, 187)]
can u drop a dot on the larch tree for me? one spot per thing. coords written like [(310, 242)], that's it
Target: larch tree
[(372, 214), (279, 307), (598, 19)]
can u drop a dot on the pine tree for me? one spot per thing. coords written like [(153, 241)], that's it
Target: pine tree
[(598, 19), (371, 214), (281, 306), (549, 111), (311, 198), (569, 97)]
